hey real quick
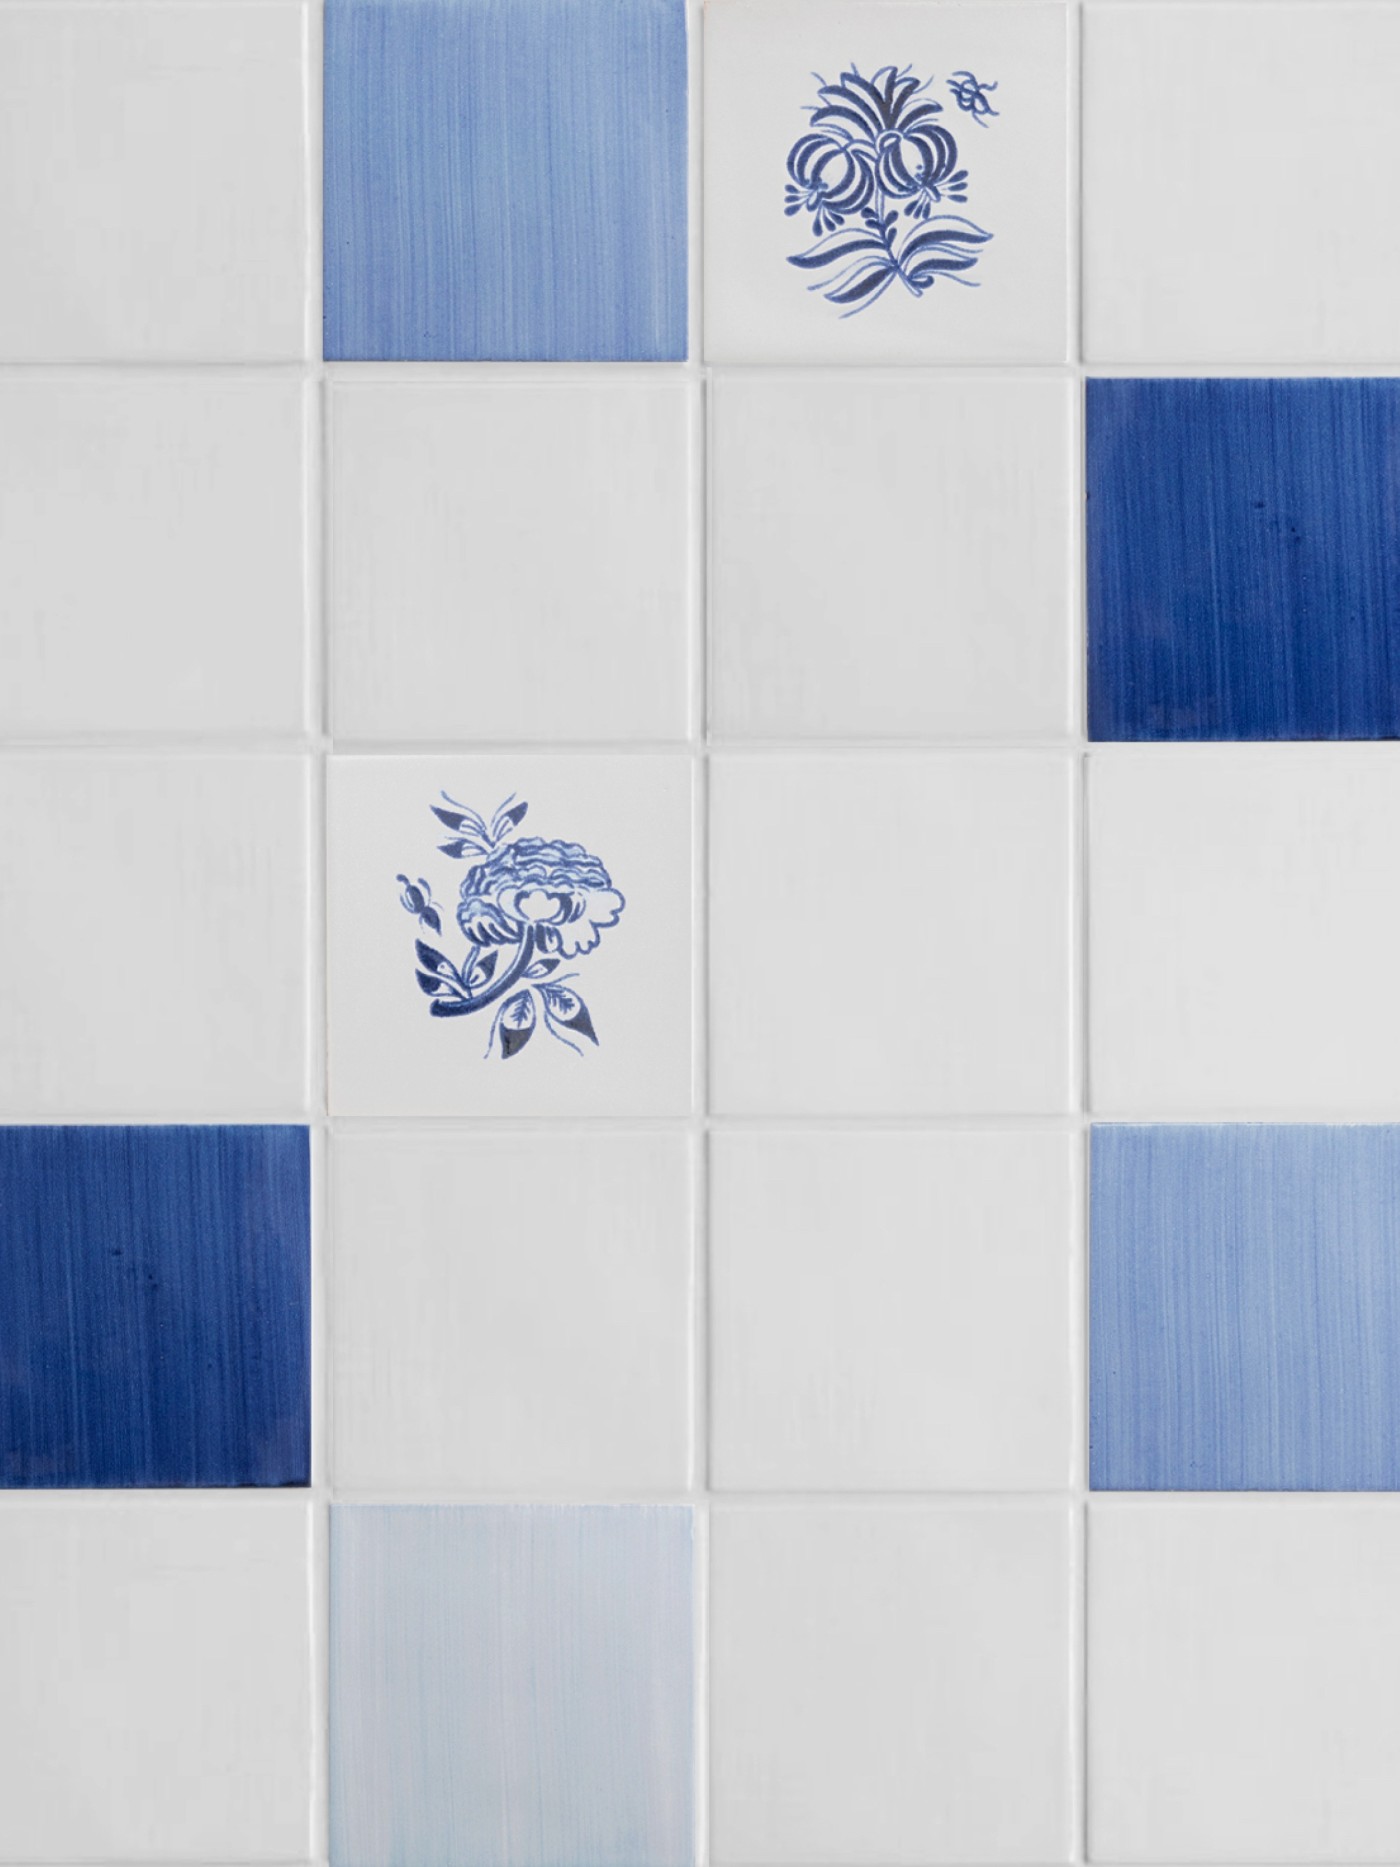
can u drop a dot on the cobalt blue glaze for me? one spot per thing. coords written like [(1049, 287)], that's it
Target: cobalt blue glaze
[(154, 1306), (1245, 1308), (505, 179), (1244, 559)]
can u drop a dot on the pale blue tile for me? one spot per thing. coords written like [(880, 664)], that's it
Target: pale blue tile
[(511, 1686), (1245, 1308), (505, 179)]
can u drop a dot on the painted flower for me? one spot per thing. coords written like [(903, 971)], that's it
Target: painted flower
[(876, 146), (555, 890), (830, 179), (922, 163)]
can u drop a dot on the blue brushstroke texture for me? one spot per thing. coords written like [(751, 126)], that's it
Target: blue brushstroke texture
[(154, 1306), (512, 1686), (1244, 559), (1245, 1309), (505, 179)]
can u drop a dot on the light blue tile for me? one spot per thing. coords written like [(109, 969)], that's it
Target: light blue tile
[(505, 179), (1245, 1309), (511, 1687)]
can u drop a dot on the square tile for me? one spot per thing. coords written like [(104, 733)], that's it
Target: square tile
[(153, 936), (890, 933), (544, 218), (153, 182), (511, 1687), (890, 1685), (1244, 1661), (156, 1284), (1254, 238), (560, 1364), (1245, 1309), (1243, 910), (157, 1666), (152, 555), (953, 119), (532, 540), (890, 1311), (1244, 558), (837, 626), (486, 963)]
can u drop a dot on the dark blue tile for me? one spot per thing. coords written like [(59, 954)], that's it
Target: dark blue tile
[(505, 179), (1244, 559), (154, 1306), (1245, 1309)]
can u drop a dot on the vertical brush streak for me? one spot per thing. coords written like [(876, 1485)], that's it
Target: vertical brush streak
[(1245, 1309), (511, 1687), (505, 179), (1243, 559), (154, 1306)]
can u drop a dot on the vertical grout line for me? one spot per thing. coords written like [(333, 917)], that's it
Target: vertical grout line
[(700, 742), (1079, 1604), (318, 661)]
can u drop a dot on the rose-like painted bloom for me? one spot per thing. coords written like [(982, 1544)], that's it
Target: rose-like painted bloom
[(555, 890), (921, 163), (830, 179)]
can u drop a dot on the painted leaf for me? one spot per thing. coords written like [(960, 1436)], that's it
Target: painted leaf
[(517, 1023), (568, 1009)]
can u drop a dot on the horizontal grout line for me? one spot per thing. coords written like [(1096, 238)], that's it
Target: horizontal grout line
[(698, 1122)]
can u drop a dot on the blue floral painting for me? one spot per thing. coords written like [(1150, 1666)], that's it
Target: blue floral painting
[(525, 905), (875, 151)]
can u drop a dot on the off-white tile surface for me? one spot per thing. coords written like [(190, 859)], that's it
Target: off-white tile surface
[(511, 561), (512, 1311), (151, 536), (890, 933), (152, 181), (889, 1685), (153, 936), (890, 1311), (157, 1668), (890, 556), (1234, 159), (390, 1056), (1244, 1682), (760, 61), (1244, 908)]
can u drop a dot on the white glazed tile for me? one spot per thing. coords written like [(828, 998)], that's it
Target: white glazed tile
[(157, 1668), (1243, 913), (760, 61), (924, 594), (889, 1684), (1252, 233), (890, 933), (511, 561), (1244, 1682), (153, 936), (890, 1311), (151, 555), (489, 1335), (389, 1055), (152, 182)]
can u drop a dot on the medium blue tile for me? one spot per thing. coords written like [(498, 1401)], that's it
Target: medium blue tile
[(511, 1687), (1245, 1309), (505, 179), (1244, 559), (154, 1306)]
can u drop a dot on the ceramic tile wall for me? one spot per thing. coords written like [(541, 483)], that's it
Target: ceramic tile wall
[(680, 1425)]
